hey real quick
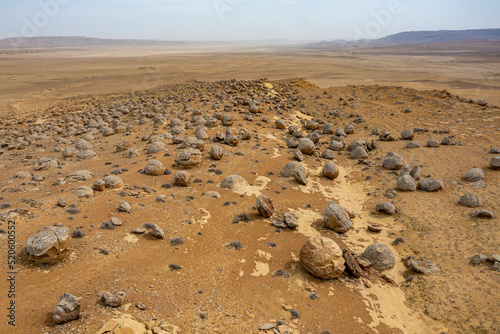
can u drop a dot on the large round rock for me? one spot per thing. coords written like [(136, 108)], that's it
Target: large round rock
[(336, 218), (306, 146), (430, 184), (291, 168), (380, 256), (471, 200), (154, 167), (474, 174), (322, 257), (330, 170), (50, 244), (393, 161)]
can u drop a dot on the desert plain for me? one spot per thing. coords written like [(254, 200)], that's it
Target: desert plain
[(101, 110)]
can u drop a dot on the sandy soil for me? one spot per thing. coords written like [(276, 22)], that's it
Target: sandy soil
[(225, 290), (34, 78)]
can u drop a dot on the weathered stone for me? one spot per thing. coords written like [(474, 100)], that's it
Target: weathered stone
[(336, 218), (50, 244), (380, 256), (67, 310), (406, 183), (393, 161), (330, 170), (84, 191), (234, 181), (322, 257), (386, 207), (430, 184), (265, 206), (291, 168), (471, 200), (474, 174), (189, 158), (306, 146), (154, 167), (182, 178), (112, 299)]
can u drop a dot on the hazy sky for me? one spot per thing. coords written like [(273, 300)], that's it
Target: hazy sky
[(241, 19)]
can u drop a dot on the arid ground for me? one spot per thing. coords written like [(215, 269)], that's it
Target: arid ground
[(59, 104)]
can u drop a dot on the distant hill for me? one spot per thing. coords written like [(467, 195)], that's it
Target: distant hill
[(65, 41), (414, 38), (428, 37)]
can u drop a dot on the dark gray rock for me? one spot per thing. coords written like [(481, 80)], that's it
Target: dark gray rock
[(471, 200), (481, 213), (380, 256), (474, 174), (406, 183), (291, 168), (430, 184), (393, 161)]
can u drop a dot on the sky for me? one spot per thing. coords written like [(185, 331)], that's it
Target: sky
[(241, 20)]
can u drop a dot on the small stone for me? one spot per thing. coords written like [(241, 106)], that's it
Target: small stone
[(430, 184), (495, 162), (300, 177), (112, 299), (264, 206), (216, 152), (481, 213), (116, 221), (432, 143), (478, 259), (407, 134), (328, 154), (67, 310), (267, 326), (297, 154), (290, 220), (84, 191), (61, 202), (125, 207), (386, 207)]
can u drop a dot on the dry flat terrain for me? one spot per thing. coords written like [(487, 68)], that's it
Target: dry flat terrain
[(74, 117)]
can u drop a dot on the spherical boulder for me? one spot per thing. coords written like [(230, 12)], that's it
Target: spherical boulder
[(330, 170), (306, 146), (154, 167), (113, 182), (322, 257), (182, 178)]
